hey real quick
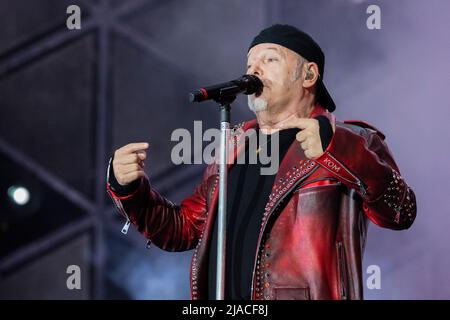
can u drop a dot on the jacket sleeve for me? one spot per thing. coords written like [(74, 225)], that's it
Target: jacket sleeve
[(170, 226), (359, 157)]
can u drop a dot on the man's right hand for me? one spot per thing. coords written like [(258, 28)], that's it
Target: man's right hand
[(128, 163)]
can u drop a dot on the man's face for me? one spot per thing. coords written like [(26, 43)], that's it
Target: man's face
[(277, 67)]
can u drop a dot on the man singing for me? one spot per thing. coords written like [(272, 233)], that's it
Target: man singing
[(296, 234)]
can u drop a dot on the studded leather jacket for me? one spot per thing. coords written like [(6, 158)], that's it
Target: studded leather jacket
[(313, 230)]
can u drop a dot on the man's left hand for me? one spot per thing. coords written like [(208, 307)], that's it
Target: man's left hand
[(309, 136)]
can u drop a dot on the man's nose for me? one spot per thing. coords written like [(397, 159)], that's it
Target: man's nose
[(255, 69)]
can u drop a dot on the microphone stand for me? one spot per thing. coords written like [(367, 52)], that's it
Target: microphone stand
[(224, 101), (226, 96)]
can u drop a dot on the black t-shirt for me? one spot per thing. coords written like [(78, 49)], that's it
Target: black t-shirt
[(248, 192)]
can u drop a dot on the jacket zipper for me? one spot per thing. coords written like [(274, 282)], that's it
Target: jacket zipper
[(126, 226), (118, 204), (121, 210), (342, 273)]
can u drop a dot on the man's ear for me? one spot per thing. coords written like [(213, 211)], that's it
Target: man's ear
[(311, 74)]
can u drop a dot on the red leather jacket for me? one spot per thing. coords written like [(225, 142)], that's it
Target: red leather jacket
[(313, 231)]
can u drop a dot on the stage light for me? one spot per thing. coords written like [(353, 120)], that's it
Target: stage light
[(19, 195)]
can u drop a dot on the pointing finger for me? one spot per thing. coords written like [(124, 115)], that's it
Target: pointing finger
[(293, 122)]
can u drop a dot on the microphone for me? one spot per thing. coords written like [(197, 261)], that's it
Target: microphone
[(247, 84)]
